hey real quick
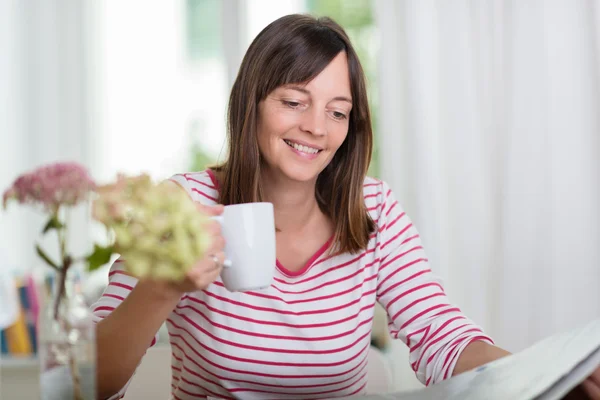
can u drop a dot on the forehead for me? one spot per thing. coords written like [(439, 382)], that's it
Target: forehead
[(333, 81)]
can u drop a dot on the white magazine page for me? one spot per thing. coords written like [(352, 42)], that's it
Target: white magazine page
[(547, 371), (578, 375)]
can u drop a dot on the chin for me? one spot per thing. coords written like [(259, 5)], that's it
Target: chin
[(301, 174)]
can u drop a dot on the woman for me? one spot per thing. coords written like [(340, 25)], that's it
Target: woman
[(300, 137)]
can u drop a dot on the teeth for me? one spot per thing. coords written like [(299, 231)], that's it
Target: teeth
[(304, 149)]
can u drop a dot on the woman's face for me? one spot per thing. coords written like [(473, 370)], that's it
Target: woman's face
[(300, 127)]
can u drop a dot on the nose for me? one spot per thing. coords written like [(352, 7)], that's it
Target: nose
[(314, 122)]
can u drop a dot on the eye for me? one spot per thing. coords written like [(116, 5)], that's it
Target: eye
[(291, 104), (339, 116)]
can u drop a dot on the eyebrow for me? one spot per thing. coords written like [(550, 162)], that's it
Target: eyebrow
[(305, 91)]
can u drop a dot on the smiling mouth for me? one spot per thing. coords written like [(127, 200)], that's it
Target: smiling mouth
[(302, 148)]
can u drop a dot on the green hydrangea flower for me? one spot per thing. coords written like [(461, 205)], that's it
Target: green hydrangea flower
[(158, 230)]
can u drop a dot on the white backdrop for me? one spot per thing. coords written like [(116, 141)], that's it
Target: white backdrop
[(490, 135)]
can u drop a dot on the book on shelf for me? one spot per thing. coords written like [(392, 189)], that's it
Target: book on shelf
[(19, 340)]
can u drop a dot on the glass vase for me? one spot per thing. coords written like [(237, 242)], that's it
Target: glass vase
[(67, 342)]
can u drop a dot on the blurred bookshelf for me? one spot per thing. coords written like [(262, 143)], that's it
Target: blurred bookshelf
[(19, 341)]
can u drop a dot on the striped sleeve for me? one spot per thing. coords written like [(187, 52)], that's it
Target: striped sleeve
[(199, 186), (419, 312), (119, 286)]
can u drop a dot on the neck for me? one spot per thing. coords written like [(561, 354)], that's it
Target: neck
[(294, 203)]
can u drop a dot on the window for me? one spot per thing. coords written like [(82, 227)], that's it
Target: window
[(162, 86), (202, 29)]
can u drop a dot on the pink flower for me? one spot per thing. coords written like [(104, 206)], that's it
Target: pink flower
[(51, 186)]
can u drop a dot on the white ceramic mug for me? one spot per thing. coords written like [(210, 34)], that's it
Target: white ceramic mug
[(250, 252)]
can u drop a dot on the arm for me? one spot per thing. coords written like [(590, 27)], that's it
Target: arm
[(442, 341), (477, 353), (436, 332), (124, 335), (129, 313)]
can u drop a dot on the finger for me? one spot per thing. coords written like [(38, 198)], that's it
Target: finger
[(210, 211), (217, 245), (209, 275), (592, 389), (595, 377), (221, 257), (214, 275), (211, 262), (214, 228), (215, 261), (202, 268)]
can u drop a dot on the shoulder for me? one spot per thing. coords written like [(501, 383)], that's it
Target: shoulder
[(200, 186), (379, 199), (376, 190)]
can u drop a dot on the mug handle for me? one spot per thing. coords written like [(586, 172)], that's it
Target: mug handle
[(221, 220)]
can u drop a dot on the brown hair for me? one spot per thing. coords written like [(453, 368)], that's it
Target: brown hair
[(295, 49)]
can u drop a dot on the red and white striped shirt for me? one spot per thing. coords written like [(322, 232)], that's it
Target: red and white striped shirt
[(307, 335)]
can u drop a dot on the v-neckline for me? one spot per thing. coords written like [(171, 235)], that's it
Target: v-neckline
[(280, 266), (308, 264)]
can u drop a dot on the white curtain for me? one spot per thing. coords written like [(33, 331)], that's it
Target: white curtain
[(490, 135), (44, 112)]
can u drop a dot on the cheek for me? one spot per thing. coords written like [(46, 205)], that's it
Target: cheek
[(268, 137), (273, 127), (338, 136), (280, 125)]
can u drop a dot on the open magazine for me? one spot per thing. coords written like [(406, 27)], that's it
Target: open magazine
[(548, 370)]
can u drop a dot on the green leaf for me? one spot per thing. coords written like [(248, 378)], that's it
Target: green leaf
[(53, 223), (99, 257), (45, 257)]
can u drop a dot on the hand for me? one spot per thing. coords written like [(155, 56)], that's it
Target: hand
[(588, 390), (592, 385), (207, 270)]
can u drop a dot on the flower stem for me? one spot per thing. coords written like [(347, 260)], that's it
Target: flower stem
[(67, 261), (62, 278)]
